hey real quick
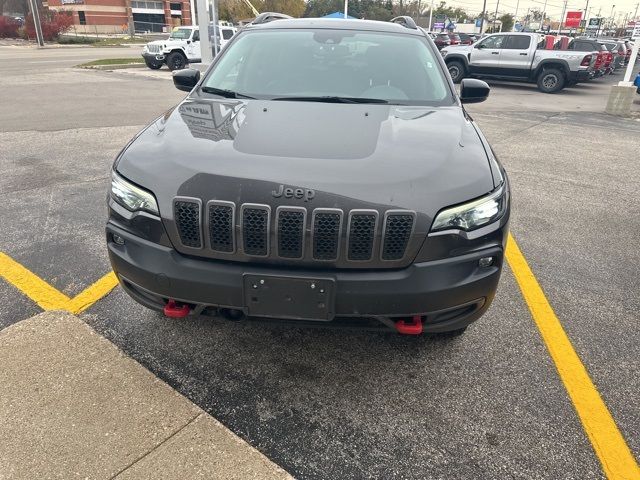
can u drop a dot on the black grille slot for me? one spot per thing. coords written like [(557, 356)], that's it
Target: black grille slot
[(187, 215), (255, 223), (362, 229), (290, 233), (326, 236), (221, 228), (397, 232)]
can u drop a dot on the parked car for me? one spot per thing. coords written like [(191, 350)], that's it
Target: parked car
[(455, 39), (465, 39), (442, 40), (520, 57), (595, 48), (619, 52), (177, 51), (213, 211)]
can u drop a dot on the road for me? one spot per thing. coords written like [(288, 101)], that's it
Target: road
[(329, 404)]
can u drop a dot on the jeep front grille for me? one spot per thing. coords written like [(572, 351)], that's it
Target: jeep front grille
[(255, 230), (326, 234), (354, 238), (153, 48), (361, 236), (187, 215), (398, 227), (290, 232), (221, 231)]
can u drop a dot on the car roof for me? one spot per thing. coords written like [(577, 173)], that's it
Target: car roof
[(335, 23)]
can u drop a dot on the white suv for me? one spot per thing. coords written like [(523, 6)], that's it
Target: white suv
[(182, 47)]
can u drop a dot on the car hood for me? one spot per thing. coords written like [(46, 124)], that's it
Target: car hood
[(350, 155)]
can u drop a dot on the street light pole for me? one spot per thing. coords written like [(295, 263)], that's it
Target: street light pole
[(495, 17), (484, 12), (515, 17)]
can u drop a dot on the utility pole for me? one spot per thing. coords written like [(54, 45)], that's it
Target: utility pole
[(130, 25), (544, 16), (484, 11), (611, 16), (33, 4), (495, 17), (599, 22), (430, 15), (564, 9), (635, 15), (586, 13), (515, 17)]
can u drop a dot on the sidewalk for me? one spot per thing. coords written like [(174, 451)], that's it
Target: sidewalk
[(73, 406)]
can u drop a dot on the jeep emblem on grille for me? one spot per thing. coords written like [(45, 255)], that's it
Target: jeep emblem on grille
[(290, 192)]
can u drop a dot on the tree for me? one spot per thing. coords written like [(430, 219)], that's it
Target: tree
[(507, 22)]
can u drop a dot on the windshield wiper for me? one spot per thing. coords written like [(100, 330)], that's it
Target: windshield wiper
[(225, 93), (333, 99)]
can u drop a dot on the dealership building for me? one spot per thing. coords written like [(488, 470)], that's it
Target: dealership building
[(112, 16)]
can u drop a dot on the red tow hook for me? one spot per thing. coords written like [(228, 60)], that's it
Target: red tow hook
[(410, 327), (174, 310)]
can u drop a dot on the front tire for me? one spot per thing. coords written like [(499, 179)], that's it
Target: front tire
[(551, 81), (152, 65), (456, 70), (176, 61)]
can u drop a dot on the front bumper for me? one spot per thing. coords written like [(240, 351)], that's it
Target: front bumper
[(449, 294), (153, 57)]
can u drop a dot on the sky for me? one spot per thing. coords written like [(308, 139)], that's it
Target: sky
[(554, 7)]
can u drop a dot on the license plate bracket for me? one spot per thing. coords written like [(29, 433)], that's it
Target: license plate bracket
[(299, 298)]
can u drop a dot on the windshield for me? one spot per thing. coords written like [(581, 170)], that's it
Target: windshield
[(331, 64), (180, 34)]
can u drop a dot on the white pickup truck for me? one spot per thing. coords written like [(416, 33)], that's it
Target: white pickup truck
[(518, 57), (182, 47)]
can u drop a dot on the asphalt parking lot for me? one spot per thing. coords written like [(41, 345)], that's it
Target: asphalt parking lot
[(336, 404)]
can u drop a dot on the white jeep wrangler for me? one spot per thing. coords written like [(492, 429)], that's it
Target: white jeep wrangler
[(182, 47)]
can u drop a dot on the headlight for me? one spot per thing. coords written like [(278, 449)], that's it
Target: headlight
[(474, 214), (132, 197)]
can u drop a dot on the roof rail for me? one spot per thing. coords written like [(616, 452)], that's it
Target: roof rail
[(406, 21), (267, 17)]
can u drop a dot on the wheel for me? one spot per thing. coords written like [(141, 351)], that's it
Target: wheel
[(153, 66), (551, 81), (456, 70), (176, 61)]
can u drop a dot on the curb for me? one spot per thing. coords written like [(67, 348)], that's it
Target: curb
[(74, 405)]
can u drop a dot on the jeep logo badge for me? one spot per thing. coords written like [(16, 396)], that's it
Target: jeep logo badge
[(290, 192)]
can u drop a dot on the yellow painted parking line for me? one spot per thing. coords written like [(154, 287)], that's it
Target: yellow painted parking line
[(91, 295), (615, 456), (48, 297)]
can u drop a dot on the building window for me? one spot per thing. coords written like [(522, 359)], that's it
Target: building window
[(176, 6), (149, 5), (82, 18)]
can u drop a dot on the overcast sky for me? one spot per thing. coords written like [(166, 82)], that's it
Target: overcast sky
[(554, 7)]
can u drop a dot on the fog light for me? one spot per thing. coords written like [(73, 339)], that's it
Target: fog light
[(485, 262), (118, 239)]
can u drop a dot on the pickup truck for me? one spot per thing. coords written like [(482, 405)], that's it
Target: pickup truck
[(518, 57)]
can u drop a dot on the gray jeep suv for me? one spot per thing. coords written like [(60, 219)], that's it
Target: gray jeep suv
[(319, 171)]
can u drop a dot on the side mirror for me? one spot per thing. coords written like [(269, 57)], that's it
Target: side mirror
[(186, 79), (473, 90), (479, 45)]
